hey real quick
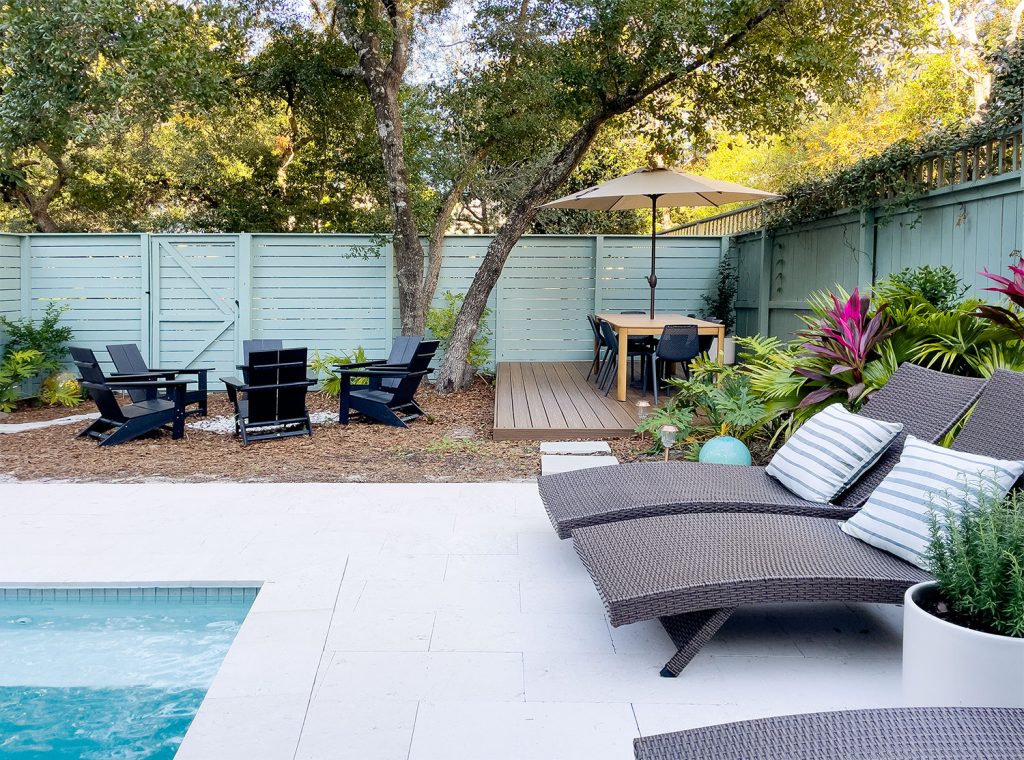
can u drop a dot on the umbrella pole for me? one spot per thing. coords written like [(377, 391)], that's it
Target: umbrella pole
[(652, 278)]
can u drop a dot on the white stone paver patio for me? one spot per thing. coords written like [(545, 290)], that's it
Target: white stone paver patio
[(429, 621)]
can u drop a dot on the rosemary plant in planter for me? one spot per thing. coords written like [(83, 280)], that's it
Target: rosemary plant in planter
[(720, 305), (963, 633)]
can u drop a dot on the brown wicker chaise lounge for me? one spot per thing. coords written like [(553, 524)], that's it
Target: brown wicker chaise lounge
[(692, 570), (928, 403), (896, 733)]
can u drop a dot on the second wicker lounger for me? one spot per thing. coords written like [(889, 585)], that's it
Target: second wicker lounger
[(896, 733)]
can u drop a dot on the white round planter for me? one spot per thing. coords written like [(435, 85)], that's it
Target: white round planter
[(948, 665)]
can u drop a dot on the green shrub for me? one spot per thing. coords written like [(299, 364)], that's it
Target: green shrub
[(977, 559), (49, 337), (441, 323), (16, 367), (47, 341), (720, 303), (324, 364), (939, 286)]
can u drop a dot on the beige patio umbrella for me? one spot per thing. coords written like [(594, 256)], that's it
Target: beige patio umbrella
[(656, 188)]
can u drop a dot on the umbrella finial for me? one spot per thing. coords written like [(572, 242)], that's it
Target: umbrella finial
[(656, 160)]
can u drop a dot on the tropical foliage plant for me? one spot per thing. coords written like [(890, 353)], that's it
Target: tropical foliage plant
[(1013, 289), (37, 348), (60, 388), (48, 337), (15, 368), (715, 400), (324, 365), (977, 558), (841, 338), (851, 346)]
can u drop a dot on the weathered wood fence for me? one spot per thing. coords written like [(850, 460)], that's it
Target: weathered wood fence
[(968, 227), (966, 214), (192, 298)]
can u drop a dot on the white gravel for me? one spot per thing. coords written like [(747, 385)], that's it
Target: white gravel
[(226, 425)]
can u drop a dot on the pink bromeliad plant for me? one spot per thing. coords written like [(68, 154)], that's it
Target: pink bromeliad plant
[(840, 339), (1013, 289)]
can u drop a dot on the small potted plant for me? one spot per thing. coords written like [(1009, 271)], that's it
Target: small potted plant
[(963, 633), (720, 305)]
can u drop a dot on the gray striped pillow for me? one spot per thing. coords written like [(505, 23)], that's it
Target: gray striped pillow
[(829, 452), (928, 480)]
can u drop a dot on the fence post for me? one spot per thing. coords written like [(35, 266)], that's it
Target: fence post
[(25, 280), (598, 256), (244, 293), (764, 294), (866, 250), (146, 317)]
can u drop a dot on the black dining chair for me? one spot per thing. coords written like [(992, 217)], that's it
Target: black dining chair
[(678, 343), (641, 343), (611, 356), (595, 365)]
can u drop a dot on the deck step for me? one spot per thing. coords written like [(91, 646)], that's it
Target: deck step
[(575, 447), (554, 463)]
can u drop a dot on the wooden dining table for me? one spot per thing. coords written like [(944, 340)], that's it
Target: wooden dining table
[(628, 325)]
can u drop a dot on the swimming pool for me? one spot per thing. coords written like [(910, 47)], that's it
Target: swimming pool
[(109, 672)]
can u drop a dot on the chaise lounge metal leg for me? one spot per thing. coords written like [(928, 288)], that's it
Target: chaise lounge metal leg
[(690, 632)]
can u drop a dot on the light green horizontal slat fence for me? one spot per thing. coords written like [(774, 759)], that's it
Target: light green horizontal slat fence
[(191, 299), (10, 276), (967, 227), (194, 298)]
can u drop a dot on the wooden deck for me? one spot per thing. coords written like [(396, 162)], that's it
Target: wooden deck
[(550, 401)]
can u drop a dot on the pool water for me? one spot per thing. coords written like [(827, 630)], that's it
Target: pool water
[(109, 673)]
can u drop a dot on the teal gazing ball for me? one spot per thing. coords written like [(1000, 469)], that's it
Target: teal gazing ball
[(725, 450)]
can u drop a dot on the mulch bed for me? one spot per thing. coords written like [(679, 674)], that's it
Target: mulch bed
[(452, 445)]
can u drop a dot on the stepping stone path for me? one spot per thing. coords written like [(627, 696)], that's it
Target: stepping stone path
[(565, 456)]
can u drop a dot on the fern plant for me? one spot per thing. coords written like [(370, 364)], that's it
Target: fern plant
[(977, 558)]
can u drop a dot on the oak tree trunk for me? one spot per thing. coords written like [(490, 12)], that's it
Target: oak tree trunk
[(454, 374), (408, 249), (40, 214)]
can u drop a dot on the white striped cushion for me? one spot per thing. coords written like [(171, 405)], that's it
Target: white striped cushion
[(829, 452), (928, 480)]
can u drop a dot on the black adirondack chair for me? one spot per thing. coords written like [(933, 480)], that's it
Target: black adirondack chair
[(402, 350), (128, 360), (272, 404), (256, 344), (118, 424), (392, 406)]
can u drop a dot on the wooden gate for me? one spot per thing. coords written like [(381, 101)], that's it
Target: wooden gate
[(194, 302)]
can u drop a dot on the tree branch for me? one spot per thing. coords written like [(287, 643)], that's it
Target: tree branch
[(435, 252), (1015, 19)]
